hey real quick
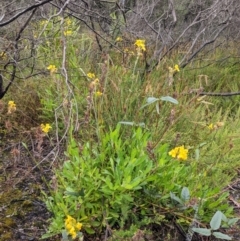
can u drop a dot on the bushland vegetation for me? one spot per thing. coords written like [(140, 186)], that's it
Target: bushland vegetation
[(138, 103)]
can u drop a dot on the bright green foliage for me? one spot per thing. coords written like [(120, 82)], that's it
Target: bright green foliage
[(103, 184)]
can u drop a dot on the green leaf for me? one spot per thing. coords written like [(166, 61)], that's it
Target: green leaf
[(129, 123), (216, 220), (71, 192), (64, 236), (150, 100), (132, 123), (89, 230), (175, 198), (197, 154), (185, 194), (25, 145), (221, 236), (224, 218), (169, 99), (157, 108), (202, 231), (232, 221), (48, 235), (202, 144)]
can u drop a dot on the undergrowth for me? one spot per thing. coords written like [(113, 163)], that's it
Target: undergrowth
[(122, 176)]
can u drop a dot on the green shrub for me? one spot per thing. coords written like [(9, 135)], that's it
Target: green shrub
[(119, 182)]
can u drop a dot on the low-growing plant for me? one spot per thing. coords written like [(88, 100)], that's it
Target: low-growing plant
[(215, 224), (118, 182)]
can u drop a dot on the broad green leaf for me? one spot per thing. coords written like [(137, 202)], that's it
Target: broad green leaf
[(185, 194), (221, 236), (202, 231), (224, 218), (177, 199), (95, 223), (169, 99), (89, 230), (216, 220)]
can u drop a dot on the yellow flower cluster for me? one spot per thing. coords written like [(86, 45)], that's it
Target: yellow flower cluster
[(72, 226), (67, 32), (52, 68), (140, 43), (98, 93), (45, 128), (11, 107), (175, 69), (91, 75), (179, 152)]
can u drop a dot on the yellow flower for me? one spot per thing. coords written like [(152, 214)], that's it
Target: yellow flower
[(79, 226), (176, 68), (98, 93), (210, 127), (179, 152), (91, 75), (72, 226), (72, 232), (52, 68), (67, 32), (11, 107), (45, 128), (119, 39), (140, 43)]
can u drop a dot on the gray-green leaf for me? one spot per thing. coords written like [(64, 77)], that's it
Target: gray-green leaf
[(169, 99), (185, 194), (202, 231), (216, 220), (221, 236)]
